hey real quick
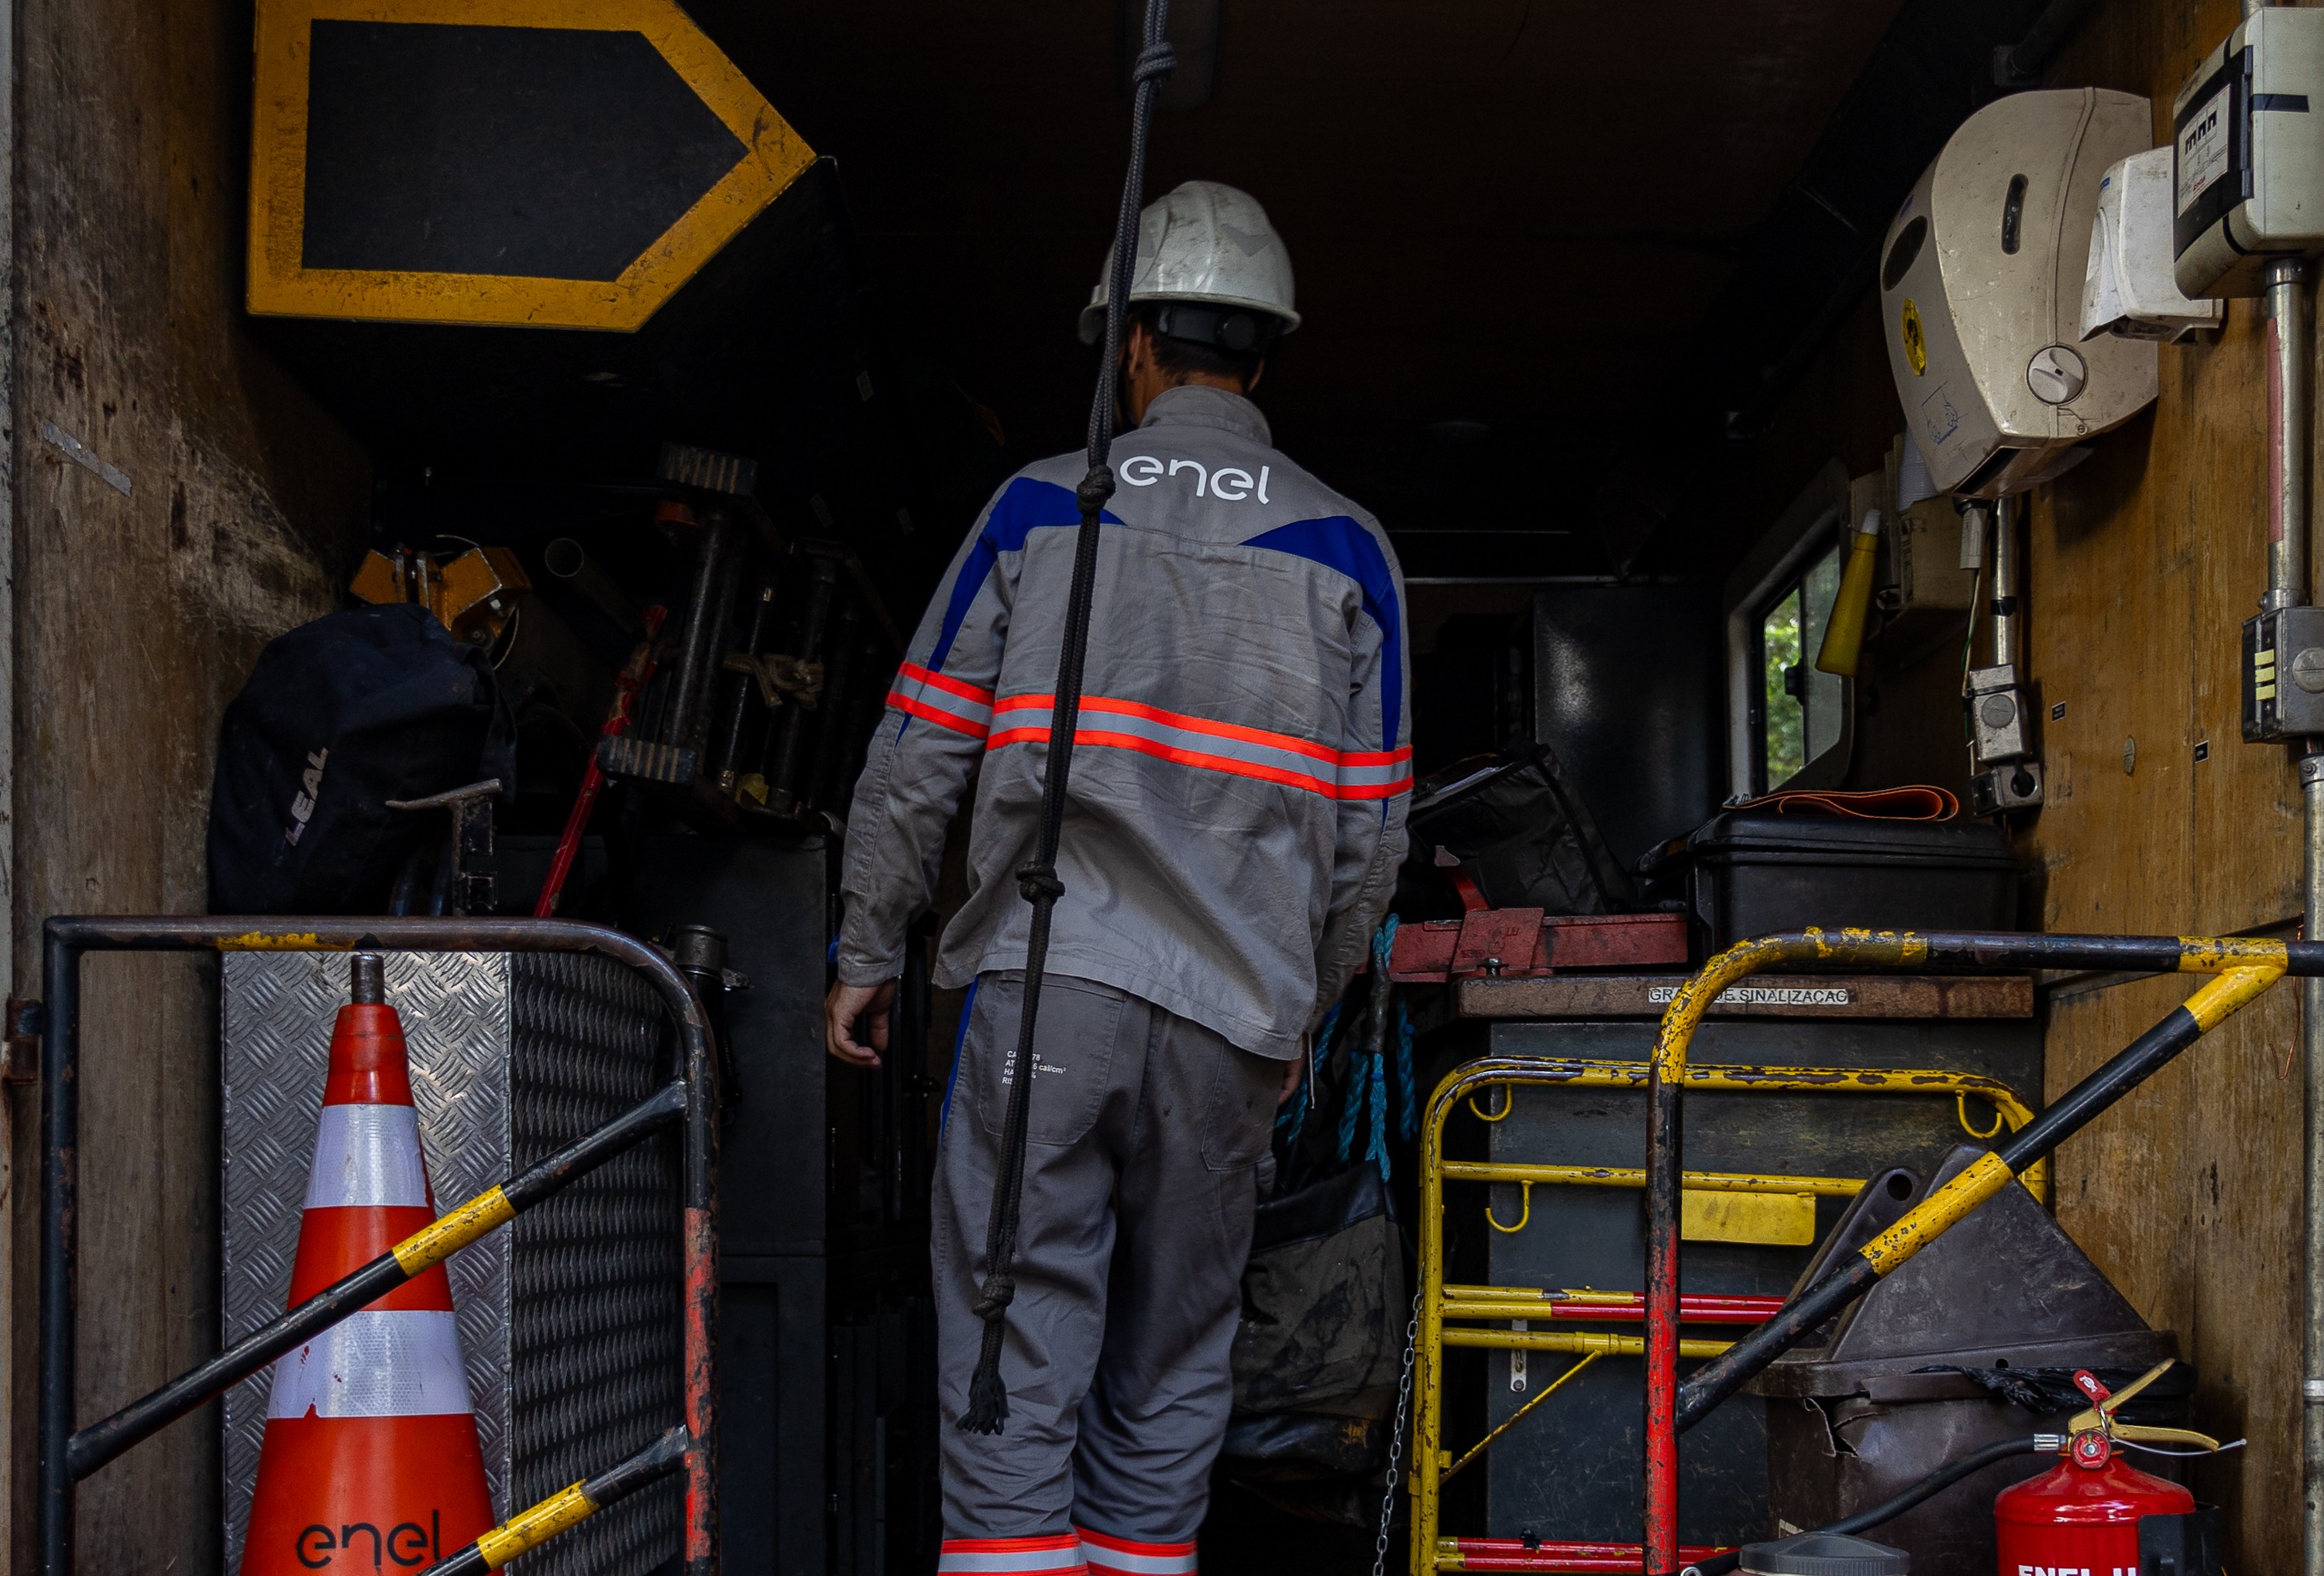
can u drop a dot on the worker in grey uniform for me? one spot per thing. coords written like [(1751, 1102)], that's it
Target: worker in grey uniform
[(1240, 771)]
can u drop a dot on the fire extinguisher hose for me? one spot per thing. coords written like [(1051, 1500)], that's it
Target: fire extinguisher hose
[(1896, 1505)]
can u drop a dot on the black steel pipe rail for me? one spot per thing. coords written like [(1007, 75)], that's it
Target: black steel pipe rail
[(2010, 950), (567, 1508), (66, 938), (99, 1442)]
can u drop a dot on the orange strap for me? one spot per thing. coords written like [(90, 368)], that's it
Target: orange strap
[(1913, 802)]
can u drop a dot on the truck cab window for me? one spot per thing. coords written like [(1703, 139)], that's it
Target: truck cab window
[(1802, 706)]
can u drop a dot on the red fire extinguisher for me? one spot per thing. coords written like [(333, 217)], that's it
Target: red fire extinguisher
[(2082, 1516)]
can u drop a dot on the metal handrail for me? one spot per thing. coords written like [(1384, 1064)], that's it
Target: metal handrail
[(566, 1509), (66, 1456), (2241, 968)]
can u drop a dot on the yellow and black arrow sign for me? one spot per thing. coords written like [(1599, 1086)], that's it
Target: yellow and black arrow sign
[(552, 163)]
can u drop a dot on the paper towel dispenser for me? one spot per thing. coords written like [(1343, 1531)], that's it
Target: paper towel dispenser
[(1981, 292)]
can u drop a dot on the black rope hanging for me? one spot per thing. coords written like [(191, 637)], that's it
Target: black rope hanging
[(988, 1398)]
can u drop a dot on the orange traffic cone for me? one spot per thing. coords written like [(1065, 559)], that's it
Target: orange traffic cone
[(370, 1460)]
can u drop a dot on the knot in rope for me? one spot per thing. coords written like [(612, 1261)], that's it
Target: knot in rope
[(1095, 489), (1038, 880), (993, 1297), (1155, 61)]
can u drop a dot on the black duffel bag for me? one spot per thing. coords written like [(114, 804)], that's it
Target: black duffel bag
[(339, 717), (1514, 825), (1320, 1349)]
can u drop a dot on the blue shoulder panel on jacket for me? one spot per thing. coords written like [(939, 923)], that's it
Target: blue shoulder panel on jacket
[(1023, 506), (1338, 542)]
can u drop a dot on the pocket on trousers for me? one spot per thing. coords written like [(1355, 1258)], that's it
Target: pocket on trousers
[(1238, 1117), (1072, 1054)]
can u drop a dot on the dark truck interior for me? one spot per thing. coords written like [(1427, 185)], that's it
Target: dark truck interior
[(672, 430)]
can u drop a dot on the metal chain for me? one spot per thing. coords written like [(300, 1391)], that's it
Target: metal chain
[(1396, 1439)]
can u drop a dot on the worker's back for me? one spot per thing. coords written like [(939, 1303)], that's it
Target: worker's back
[(1230, 838), (1241, 759)]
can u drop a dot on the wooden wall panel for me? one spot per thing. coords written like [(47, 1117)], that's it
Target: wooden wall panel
[(138, 615), (2141, 566), (2144, 563)]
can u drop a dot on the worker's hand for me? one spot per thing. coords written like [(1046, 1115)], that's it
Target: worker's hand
[(843, 1007), (1295, 1071)]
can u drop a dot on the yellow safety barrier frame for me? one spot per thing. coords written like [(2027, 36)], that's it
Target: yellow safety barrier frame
[(1489, 1305)]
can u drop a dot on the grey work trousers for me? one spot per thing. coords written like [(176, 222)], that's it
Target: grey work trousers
[(1141, 1179)]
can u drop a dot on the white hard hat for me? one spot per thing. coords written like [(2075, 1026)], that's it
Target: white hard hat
[(1208, 244)]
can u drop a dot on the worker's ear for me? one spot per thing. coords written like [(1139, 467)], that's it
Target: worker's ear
[(1126, 374), (1250, 384)]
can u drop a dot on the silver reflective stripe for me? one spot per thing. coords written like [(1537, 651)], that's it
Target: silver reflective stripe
[(376, 1363), (1395, 774), (1114, 1556), (367, 1155), (1042, 1557)]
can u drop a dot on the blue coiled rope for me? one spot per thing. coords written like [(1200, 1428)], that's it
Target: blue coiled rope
[(1351, 1100), (1365, 1093)]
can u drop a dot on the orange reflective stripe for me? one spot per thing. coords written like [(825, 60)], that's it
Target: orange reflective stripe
[(1107, 705), (1114, 1556), (949, 702), (1172, 752), (904, 702), (961, 688), (1181, 721), (1207, 745), (1056, 1554)]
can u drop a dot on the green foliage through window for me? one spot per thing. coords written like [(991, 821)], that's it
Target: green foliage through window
[(1779, 654), (1804, 709)]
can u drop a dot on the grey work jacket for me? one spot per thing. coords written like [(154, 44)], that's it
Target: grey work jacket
[(1242, 760)]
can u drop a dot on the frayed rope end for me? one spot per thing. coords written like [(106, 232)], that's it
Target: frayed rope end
[(988, 1398)]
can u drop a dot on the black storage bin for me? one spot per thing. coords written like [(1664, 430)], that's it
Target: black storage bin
[(1745, 873)]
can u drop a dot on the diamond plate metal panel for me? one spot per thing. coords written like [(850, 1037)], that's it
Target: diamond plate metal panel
[(278, 1009)]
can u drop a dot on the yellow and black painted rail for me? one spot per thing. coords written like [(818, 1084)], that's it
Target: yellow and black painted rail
[(2241, 969), (92, 1447), (567, 1508)]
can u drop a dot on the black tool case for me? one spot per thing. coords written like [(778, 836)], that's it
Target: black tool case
[(1745, 873), (1974, 1341)]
